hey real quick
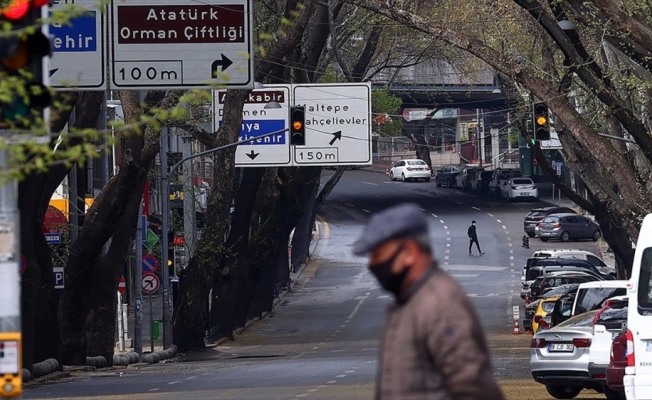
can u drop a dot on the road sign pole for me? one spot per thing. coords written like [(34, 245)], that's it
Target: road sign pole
[(10, 330), (121, 325), (138, 277), (165, 209), (151, 324)]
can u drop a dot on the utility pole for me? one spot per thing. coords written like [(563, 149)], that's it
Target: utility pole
[(138, 291), (165, 225), (478, 135)]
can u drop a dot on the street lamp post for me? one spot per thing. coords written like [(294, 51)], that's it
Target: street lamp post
[(165, 200)]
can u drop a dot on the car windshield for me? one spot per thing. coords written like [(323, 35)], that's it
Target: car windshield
[(536, 214), (585, 319), (645, 282), (416, 163), (522, 181), (591, 298), (551, 219), (561, 290), (532, 274), (509, 174), (548, 306)]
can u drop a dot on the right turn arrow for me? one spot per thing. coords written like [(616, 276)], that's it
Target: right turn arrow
[(223, 63)]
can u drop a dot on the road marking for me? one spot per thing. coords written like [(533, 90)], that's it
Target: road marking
[(509, 238), (504, 227), (448, 245), (510, 245), (449, 239), (337, 351), (370, 183), (491, 215), (365, 210), (367, 294), (493, 295), (506, 232), (315, 348), (357, 307), (448, 233), (349, 204), (384, 296), (311, 390), (302, 395), (472, 295), (476, 208), (422, 209), (191, 377), (511, 257), (511, 252), (446, 258), (465, 275), (511, 264), (331, 382), (341, 376), (342, 326), (338, 331), (435, 215), (445, 227), (499, 221), (448, 251), (441, 220), (350, 371), (173, 382), (154, 389), (475, 268), (322, 386)]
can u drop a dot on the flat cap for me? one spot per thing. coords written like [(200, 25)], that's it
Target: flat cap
[(392, 223)]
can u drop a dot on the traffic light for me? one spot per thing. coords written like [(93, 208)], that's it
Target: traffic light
[(23, 92), (541, 121), (298, 125)]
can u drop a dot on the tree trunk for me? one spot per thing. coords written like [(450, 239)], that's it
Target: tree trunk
[(303, 231), (196, 281), (100, 324)]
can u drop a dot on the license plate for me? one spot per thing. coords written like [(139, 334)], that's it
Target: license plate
[(525, 194), (561, 347)]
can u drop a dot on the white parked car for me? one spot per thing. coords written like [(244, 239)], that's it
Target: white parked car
[(519, 188), (414, 169)]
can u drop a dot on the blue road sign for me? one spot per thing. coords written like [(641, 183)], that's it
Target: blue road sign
[(79, 35), (254, 128), (52, 238), (58, 277), (150, 264), (143, 228)]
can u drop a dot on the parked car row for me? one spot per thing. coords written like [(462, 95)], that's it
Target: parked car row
[(560, 223), (604, 340)]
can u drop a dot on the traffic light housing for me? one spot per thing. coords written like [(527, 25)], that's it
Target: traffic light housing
[(541, 121), (298, 125), (24, 95)]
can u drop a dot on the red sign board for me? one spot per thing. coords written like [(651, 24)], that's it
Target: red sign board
[(122, 285), (170, 24)]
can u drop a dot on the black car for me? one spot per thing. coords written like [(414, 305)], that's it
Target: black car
[(447, 174), (563, 309), (538, 214)]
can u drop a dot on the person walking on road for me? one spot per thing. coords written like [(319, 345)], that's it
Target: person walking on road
[(473, 237), (433, 345)]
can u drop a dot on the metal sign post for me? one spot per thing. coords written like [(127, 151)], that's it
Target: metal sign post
[(138, 277)]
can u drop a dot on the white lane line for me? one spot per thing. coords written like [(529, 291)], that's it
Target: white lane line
[(476, 208), (367, 294), (337, 351), (448, 245), (322, 386), (509, 238), (435, 215), (422, 209), (499, 221), (449, 239), (311, 390), (491, 215), (315, 348), (341, 376), (331, 382), (493, 295), (504, 227), (441, 220), (191, 377), (472, 295), (506, 232), (365, 210), (511, 257), (446, 258), (448, 233), (338, 331), (465, 275), (301, 395), (349, 204), (511, 252), (370, 183), (511, 264), (357, 307), (510, 245), (350, 371), (384, 296), (342, 326), (173, 382), (154, 389), (448, 251), (445, 227)]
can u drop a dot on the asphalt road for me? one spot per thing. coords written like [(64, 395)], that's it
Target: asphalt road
[(321, 342)]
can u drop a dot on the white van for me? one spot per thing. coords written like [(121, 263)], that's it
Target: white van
[(638, 373), (591, 295)]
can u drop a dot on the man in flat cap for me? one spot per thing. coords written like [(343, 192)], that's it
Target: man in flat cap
[(433, 344)]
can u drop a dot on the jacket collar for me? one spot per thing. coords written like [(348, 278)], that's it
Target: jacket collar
[(404, 297)]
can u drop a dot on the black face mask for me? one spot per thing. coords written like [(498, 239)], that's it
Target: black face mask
[(383, 272)]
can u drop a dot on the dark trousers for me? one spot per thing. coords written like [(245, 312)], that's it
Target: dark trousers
[(474, 240)]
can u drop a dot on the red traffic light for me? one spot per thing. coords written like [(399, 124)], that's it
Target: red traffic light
[(16, 10)]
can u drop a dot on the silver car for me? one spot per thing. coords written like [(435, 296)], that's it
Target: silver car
[(567, 227), (559, 357)]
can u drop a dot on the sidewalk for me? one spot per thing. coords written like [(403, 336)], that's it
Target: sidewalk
[(157, 308)]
